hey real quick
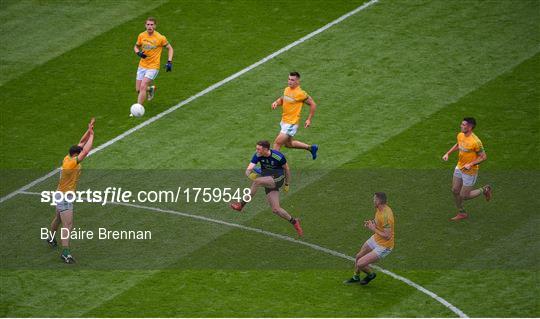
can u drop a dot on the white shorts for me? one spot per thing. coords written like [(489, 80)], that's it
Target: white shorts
[(63, 205), (379, 250), (468, 180), (289, 129), (146, 73)]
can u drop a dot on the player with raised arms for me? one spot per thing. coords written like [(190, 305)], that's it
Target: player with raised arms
[(379, 245), (149, 45), (292, 100), (69, 177), (274, 173)]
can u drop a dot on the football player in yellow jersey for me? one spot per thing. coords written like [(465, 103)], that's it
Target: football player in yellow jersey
[(471, 153), (149, 45), (292, 100), (379, 245), (69, 177)]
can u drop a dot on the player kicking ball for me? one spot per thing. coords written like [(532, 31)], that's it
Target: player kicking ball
[(273, 175), (379, 245)]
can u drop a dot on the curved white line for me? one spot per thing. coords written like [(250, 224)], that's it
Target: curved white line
[(433, 295)]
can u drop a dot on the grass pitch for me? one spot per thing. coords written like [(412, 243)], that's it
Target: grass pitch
[(392, 84)]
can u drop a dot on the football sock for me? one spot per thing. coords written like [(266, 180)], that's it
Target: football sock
[(65, 252), (356, 276), (292, 220), (463, 211)]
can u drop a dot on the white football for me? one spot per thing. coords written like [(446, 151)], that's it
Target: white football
[(137, 110)]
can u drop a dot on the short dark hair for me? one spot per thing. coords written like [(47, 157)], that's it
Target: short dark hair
[(151, 19), (264, 143), (471, 121), (75, 149), (381, 196), (294, 73)]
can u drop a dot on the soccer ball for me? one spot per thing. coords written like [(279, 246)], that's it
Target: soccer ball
[(137, 110)]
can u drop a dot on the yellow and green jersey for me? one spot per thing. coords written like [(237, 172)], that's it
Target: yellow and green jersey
[(69, 176), (470, 148), (384, 219), (293, 99)]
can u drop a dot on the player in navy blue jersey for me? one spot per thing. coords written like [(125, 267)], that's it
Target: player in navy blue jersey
[(273, 175)]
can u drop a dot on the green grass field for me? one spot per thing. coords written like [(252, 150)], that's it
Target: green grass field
[(392, 84)]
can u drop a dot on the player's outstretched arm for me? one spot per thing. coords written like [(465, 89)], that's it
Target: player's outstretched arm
[(450, 151), (87, 147), (86, 134), (87, 141), (312, 108)]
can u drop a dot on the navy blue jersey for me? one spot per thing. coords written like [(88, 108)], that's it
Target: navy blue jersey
[(271, 165)]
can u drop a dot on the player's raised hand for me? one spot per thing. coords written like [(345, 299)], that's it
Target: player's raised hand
[(307, 124), (168, 66), (445, 157), (91, 124)]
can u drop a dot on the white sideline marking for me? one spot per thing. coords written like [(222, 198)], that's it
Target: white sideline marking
[(431, 294), (201, 93)]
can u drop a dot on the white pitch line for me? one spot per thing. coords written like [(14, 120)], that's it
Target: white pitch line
[(409, 282), (201, 93)]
